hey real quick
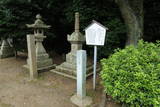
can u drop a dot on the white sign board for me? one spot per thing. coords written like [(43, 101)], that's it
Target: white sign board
[(95, 34)]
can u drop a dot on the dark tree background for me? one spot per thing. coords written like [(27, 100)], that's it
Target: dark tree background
[(126, 20), (132, 13), (152, 20)]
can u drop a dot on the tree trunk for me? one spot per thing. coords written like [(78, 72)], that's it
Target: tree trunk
[(132, 13)]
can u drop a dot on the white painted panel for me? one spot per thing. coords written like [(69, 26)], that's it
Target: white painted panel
[(95, 35)]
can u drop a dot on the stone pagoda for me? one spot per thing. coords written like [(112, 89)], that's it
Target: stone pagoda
[(43, 60), (76, 39), (5, 49)]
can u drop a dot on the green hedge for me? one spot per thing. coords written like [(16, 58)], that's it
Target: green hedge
[(132, 75)]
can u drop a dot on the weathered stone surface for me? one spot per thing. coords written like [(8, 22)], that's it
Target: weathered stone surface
[(32, 57), (42, 58), (68, 68), (6, 50), (81, 73), (80, 97)]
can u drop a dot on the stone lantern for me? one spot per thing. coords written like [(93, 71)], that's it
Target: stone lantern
[(5, 49), (43, 60), (76, 39)]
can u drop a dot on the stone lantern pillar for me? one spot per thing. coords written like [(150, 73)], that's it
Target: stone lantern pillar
[(42, 58), (76, 39)]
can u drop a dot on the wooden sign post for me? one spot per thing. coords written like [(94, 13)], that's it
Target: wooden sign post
[(95, 35)]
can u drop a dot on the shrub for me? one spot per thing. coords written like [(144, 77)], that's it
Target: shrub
[(132, 75)]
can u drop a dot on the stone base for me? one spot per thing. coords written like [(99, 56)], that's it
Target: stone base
[(43, 63), (81, 102), (8, 52), (6, 56), (26, 67), (68, 70)]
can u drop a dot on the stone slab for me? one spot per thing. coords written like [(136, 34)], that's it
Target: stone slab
[(6, 56), (68, 75), (26, 67), (64, 72)]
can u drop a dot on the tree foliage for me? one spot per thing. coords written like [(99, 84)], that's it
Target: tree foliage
[(13, 17), (15, 14)]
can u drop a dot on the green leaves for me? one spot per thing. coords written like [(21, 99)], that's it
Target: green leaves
[(132, 75)]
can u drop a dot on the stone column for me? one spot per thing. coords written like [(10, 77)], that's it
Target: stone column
[(81, 73), (80, 97)]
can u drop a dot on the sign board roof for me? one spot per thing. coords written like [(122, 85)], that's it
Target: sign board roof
[(95, 33)]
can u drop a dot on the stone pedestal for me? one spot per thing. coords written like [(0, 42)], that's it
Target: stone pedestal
[(42, 58), (68, 68), (6, 50)]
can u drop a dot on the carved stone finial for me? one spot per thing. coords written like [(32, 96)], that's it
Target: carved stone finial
[(38, 16), (77, 22)]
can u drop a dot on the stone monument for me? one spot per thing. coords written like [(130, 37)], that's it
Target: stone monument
[(6, 50), (76, 39), (32, 57), (42, 58), (80, 98)]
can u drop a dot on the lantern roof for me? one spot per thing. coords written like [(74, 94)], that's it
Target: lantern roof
[(38, 24)]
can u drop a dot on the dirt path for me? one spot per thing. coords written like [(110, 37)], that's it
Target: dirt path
[(50, 90)]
